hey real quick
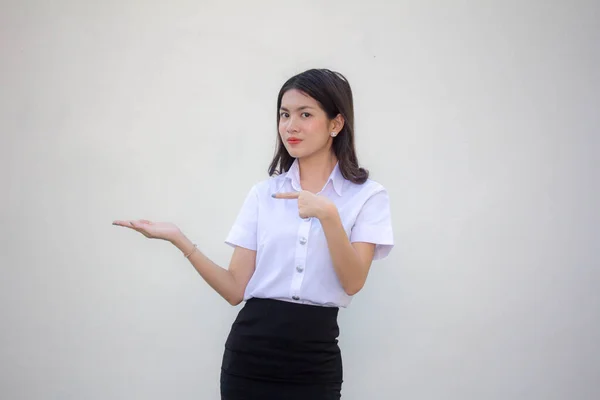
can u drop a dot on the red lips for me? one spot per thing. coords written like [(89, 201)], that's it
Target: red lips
[(293, 141)]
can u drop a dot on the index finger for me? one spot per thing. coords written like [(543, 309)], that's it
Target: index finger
[(288, 195), (122, 223)]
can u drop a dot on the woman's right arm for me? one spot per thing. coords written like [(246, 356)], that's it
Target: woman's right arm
[(229, 283)]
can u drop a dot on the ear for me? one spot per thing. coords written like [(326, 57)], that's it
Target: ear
[(336, 124)]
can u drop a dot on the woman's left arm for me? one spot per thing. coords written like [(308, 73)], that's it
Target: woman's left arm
[(351, 261), (351, 256)]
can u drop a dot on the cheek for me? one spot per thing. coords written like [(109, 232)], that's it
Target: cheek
[(316, 128)]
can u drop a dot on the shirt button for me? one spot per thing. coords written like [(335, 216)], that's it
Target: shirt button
[(296, 298), (299, 268), (302, 240)]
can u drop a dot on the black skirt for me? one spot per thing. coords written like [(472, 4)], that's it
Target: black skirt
[(282, 350)]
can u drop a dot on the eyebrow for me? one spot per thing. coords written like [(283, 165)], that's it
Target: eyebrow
[(297, 109)]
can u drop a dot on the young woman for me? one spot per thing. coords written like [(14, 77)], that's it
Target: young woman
[(303, 244)]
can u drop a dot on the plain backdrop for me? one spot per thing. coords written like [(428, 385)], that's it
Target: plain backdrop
[(480, 118)]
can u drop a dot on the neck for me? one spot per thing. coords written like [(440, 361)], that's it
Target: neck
[(315, 170)]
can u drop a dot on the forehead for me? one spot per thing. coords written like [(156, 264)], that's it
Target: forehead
[(294, 98)]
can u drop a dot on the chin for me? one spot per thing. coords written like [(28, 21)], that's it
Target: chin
[(295, 153)]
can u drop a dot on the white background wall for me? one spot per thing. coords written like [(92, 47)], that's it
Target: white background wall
[(481, 119)]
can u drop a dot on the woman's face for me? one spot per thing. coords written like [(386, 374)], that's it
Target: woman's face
[(304, 127)]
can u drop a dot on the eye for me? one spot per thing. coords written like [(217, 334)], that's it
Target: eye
[(284, 114), (305, 115)]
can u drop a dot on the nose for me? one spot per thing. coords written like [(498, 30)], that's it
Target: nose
[(291, 125)]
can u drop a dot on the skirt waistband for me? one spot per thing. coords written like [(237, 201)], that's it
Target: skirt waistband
[(282, 320)]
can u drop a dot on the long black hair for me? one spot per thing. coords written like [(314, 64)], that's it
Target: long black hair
[(332, 91)]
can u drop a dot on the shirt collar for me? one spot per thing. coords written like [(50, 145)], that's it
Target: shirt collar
[(335, 177)]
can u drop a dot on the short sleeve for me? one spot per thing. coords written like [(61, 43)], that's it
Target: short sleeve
[(243, 231), (374, 224)]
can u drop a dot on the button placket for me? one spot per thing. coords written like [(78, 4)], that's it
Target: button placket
[(300, 258)]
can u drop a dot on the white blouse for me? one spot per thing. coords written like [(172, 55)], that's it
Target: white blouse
[(292, 258)]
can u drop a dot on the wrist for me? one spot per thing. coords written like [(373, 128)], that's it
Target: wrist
[(180, 241), (328, 212)]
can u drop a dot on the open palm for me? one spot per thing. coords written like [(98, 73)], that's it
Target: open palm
[(154, 230)]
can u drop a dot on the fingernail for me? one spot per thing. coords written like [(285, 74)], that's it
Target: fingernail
[(273, 195)]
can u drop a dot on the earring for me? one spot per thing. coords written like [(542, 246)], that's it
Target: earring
[(333, 134)]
